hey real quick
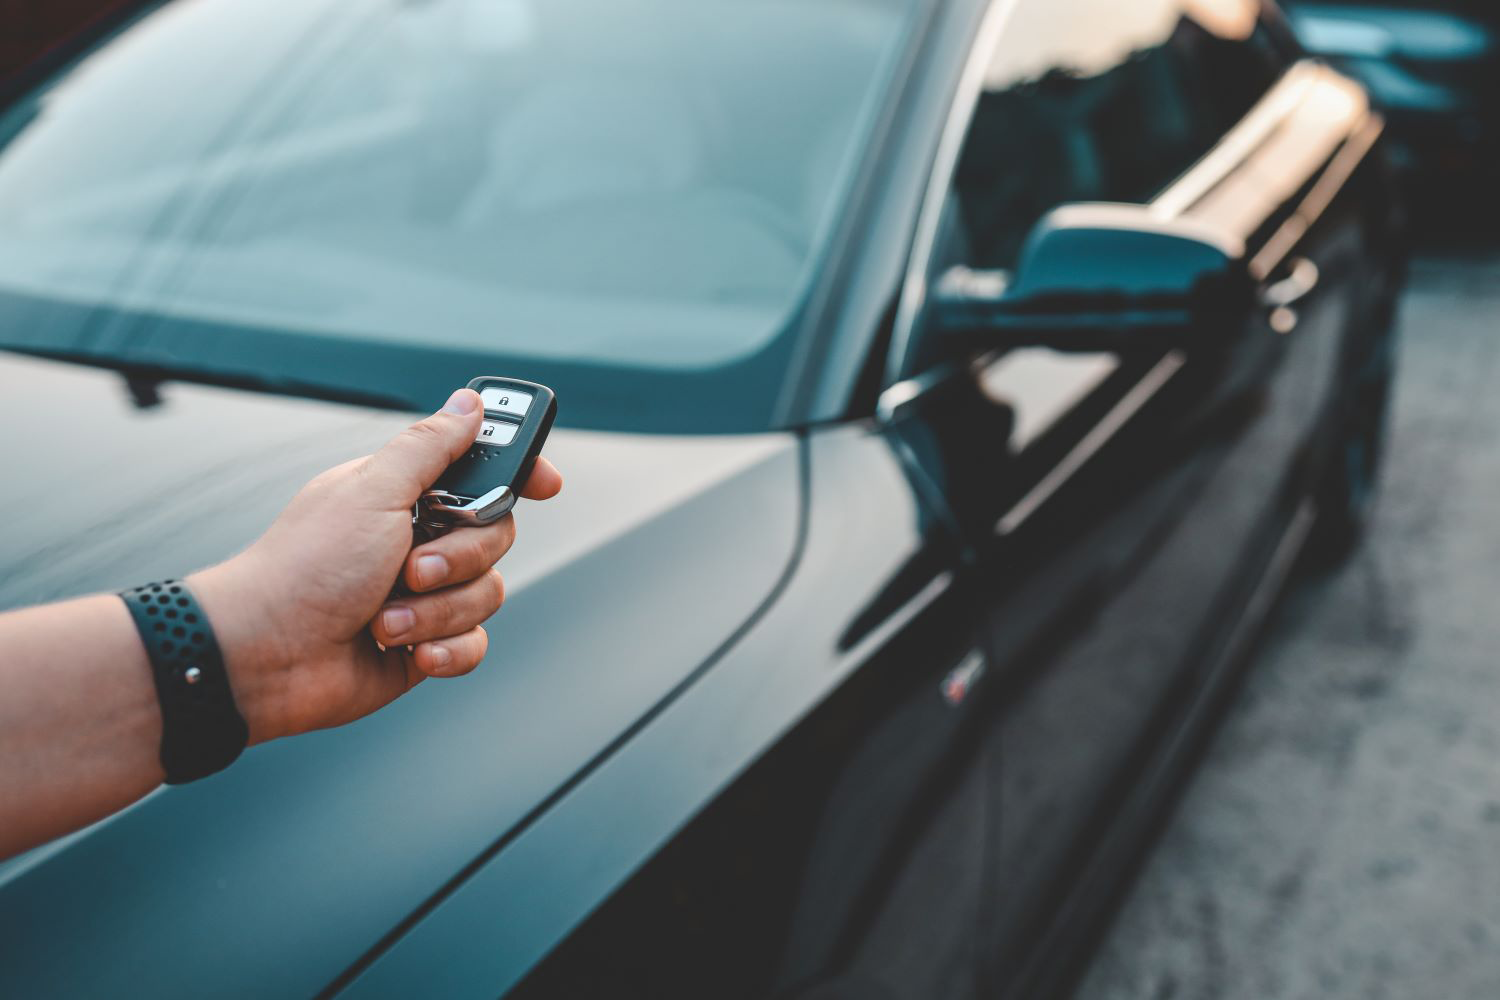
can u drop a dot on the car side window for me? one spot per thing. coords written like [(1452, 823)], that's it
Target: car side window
[(1095, 100)]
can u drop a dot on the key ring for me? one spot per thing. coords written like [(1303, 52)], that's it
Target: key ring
[(426, 522)]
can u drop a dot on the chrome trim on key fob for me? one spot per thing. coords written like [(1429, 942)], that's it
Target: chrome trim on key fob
[(455, 511)]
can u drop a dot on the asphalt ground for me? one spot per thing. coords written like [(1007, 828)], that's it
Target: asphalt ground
[(1341, 837)]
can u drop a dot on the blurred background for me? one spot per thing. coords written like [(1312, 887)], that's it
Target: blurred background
[(1434, 67)]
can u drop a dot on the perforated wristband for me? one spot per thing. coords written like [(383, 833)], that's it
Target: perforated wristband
[(202, 730)]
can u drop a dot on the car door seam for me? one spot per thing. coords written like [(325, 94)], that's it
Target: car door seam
[(508, 836)]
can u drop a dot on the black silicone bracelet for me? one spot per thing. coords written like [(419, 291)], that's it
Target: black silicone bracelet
[(202, 730)]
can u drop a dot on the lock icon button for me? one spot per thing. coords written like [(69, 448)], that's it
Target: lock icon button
[(510, 402)]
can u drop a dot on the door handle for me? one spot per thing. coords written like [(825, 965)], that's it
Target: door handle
[(1280, 297)]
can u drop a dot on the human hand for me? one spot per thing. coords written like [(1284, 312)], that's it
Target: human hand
[(297, 614)]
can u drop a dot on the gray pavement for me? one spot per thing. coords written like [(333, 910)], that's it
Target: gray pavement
[(1341, 838)]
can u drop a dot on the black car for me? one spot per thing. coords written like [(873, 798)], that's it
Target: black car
[(946, 391), (1433, 68)]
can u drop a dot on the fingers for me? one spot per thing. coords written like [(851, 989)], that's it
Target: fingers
[(544, 483), (412, 460), (439, 615), (453, 656), (459, 556)]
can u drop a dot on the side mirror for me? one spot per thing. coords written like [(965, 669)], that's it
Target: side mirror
[(1099, 277)]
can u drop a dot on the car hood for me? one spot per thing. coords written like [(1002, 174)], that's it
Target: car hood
[(274, 876)]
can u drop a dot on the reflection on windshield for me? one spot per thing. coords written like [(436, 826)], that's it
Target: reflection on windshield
[(637, 182)]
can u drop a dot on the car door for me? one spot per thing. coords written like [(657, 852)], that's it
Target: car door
[(1122, 509)]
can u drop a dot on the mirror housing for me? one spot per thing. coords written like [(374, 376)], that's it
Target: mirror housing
[(1099, 277)]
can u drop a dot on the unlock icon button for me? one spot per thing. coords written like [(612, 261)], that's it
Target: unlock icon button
[(511, 402), (496, 432)]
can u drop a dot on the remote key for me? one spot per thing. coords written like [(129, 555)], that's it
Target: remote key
[(481, 487)]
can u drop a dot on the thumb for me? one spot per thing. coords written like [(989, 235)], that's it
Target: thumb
[(412, 460)]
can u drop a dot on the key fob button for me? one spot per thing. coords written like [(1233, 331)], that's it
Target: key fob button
[(496, 432), (511, 402), (480, 486)]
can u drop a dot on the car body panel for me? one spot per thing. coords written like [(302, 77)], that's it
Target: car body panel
[(312, 849), (852, 708), (493, 929)]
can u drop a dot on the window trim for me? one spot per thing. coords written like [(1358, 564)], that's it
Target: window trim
[(913, 292)]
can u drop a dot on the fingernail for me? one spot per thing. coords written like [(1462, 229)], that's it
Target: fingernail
[(441, 657), (431, 570), (462, 401), (397, 621)]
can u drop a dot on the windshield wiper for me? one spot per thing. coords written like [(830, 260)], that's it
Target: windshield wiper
[(144, 392), (143, 381)]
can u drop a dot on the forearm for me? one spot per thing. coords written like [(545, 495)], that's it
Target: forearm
[(80, 723), (80, 730)]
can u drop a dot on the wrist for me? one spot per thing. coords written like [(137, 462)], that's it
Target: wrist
[(254, 655)]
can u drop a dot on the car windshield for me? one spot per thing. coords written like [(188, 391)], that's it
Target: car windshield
[(625, 198)]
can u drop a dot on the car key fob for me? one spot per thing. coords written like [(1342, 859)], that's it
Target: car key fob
[(481, 487)]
